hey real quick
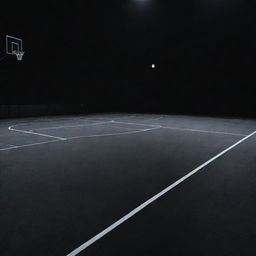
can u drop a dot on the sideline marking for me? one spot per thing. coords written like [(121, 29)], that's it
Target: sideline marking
[(34, 133), (152, 199)]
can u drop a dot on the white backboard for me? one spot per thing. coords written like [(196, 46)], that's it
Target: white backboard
[(12, 44)]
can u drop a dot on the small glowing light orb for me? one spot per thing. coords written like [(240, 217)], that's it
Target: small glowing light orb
[(153, 66)]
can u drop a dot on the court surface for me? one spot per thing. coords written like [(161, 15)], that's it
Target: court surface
[(127, 184)]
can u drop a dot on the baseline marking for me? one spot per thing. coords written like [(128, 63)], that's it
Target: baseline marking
[(152, 199)]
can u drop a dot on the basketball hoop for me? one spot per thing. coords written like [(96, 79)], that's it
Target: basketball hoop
[(19, 54)]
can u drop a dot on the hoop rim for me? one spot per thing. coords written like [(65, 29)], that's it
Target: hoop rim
[(17, 52)]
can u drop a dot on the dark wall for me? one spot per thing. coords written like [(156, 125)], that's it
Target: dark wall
[(100, 53)]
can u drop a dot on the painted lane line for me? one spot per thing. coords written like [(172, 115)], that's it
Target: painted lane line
[(152, 199), (70, 126), (34, 133)]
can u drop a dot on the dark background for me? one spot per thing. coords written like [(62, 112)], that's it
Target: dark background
[(99, 53)]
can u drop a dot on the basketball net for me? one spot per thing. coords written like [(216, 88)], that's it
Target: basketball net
[(19, 54)]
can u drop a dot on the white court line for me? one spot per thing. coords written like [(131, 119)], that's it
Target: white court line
[(113, 134), (108, 119), (126, 128), (9, 148), (116, 119), (29, 145), (78, 137), (155, 126), (41, 120), (34, 133), (152, 119), (51, 120), (152, 199), (183, 129), (152, 125), (203, 131), (70, 126)]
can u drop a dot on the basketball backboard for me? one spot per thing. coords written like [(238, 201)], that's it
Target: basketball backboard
[(13, 44)]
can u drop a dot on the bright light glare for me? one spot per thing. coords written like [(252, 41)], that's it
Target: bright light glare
[(153, 65)]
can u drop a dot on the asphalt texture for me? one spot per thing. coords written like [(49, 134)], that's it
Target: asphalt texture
[(65, 179)]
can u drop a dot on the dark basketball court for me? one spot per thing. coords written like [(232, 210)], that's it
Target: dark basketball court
[(127, 128), (127, 184)]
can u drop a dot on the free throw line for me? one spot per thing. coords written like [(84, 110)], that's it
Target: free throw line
[(152, 199)]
